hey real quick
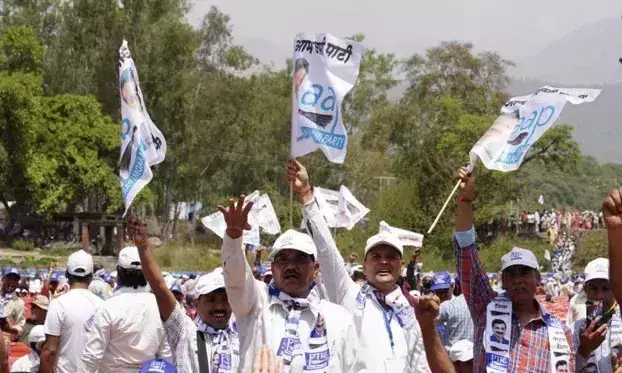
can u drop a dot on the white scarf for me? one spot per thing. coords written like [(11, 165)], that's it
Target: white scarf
[(601, 355), (498, 351), (400, 306), (222, 354), (318, 356)]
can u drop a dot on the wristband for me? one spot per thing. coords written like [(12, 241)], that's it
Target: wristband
[(460, 199)]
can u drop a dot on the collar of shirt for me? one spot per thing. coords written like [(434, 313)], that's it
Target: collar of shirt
[(9, 295), (128, 289)]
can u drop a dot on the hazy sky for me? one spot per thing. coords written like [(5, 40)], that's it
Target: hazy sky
[(514, 28)]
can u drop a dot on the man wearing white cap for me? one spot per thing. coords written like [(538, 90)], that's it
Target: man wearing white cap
[(67, 316), (461, 354), (31, 362), (390, 335), (197, 345), (306, 332), (538, 341), (126, 331), (595, 340)]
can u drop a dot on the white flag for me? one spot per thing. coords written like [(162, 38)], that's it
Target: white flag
[(142, 143), (547, 255), (265, 216), (262, 215), (216, 223), (408, 238), (522, 122), (340, 209), (541, 199), (325, 70)]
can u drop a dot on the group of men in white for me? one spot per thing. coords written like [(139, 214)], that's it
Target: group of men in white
[(304, 322)]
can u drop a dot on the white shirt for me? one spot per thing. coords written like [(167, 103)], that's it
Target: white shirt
[(408, 354), (67, 317), (261, 320), (126, 332), (26, 363)]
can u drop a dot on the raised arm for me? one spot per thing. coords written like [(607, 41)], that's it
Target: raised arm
[(153, 274), (612, 214), (334, 273), (477, 291), (427, 310), (240, 283)]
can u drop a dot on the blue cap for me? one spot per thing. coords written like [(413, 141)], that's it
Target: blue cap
[(441, 281), (157, 366), (11, 271), (176, 288)]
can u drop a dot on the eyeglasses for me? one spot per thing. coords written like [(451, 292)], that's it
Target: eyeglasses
[(297, 259)]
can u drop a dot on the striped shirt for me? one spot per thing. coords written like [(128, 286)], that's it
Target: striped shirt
[(529, 345), (455, 315)]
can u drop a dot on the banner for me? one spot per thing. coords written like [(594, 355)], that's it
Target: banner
[(522, 122), (408, 238), (262, 215), (325, 70), (142, 143), (340, 209)]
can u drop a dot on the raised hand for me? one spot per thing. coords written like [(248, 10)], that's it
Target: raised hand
[(298, 178), (137, 231), (612, 209), (466, 192), (264, 362), (426, 309), (236, 217), (591, 337)]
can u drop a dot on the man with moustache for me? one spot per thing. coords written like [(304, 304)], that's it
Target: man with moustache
[(390, 335)]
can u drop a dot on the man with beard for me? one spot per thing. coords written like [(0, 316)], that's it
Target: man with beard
[(537, 339), (390, 335), (288, 315), (208, 340)]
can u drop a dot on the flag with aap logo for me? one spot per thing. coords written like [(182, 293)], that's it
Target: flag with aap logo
[(522, 122), (325, 70), (142, 143)]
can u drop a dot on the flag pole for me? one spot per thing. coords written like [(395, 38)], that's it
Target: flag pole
[(291, 205), (444, 206)]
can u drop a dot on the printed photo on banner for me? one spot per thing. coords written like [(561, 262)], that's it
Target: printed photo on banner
[(325, 70), (497, 335), (142, 143), (522, 121)]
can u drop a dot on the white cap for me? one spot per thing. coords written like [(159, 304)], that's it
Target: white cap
[(461, 351), (129, 258), (597, 268), (294, 240), (37, 334), (210, 282), (521, 257), (384, 238), (80, 264)]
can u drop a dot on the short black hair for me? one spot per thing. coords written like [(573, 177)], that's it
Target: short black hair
[(358, 275), (78, 279), (131, 277), (560, 363), (498, 321), (301, 63)]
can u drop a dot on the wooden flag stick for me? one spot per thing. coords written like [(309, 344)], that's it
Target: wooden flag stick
[(291, 205), (444, 206)]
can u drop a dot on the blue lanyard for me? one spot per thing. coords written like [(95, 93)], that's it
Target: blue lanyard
[(388, 315)]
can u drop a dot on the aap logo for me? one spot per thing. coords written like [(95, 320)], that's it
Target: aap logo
[(515, 255)]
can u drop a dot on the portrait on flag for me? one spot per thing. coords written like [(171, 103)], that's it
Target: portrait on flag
[(325, 69), (142, 143)]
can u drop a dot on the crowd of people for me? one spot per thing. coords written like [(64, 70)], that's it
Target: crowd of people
[(309, 310)]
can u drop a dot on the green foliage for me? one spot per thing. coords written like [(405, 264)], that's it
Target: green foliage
[(591, 245), (21, 245)]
